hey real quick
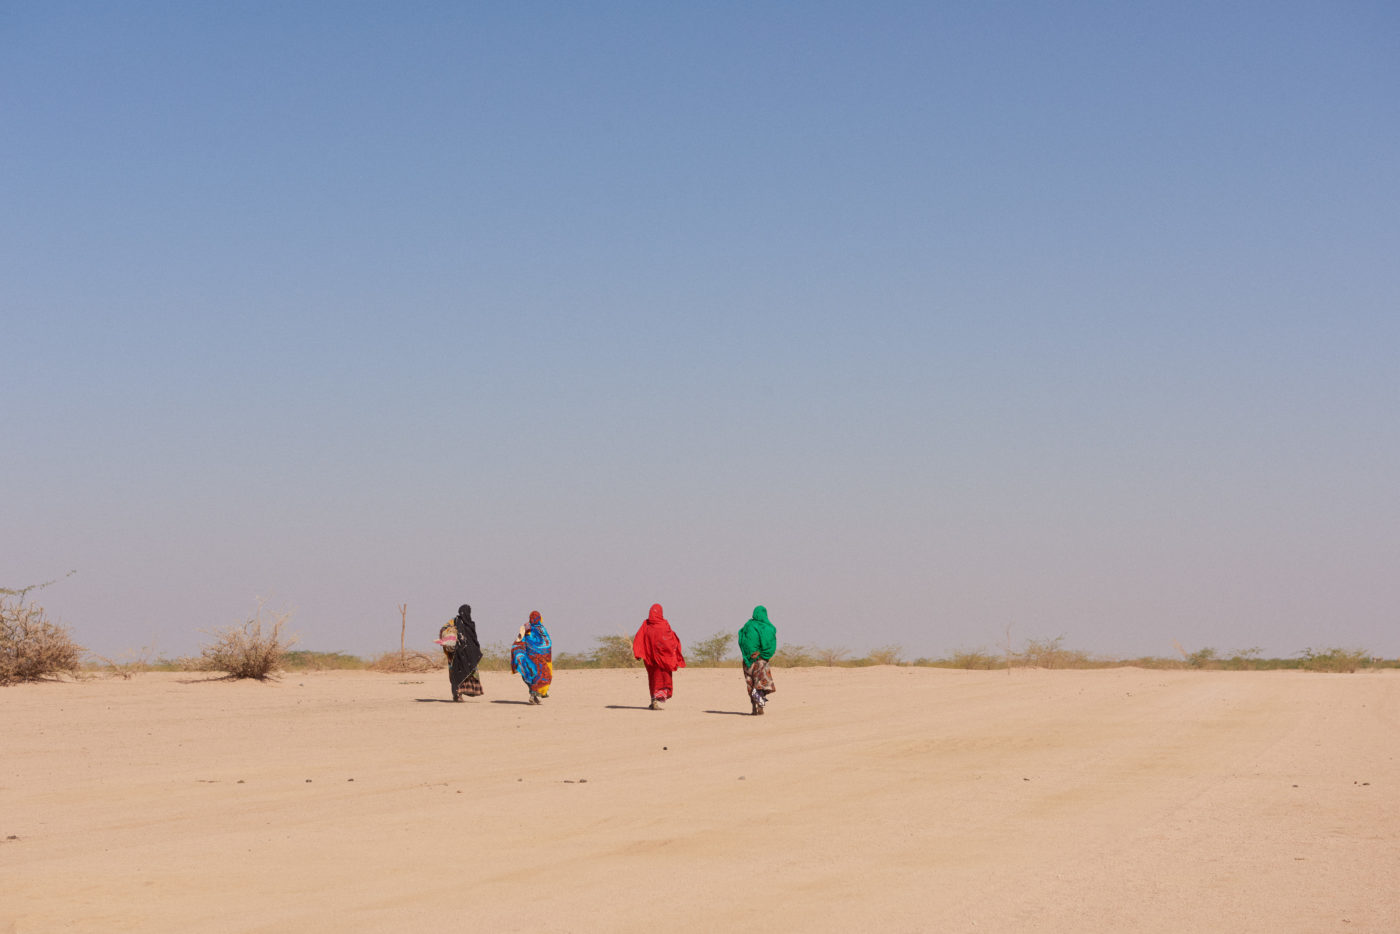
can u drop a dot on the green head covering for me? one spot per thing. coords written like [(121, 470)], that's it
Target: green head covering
[(758, 636)]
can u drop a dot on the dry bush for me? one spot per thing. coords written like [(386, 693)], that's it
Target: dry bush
[(975, 659), (495, 656), (1041, 653), (887, 655), (828, 656), (1051, 653), (31, 647), (1244, 659), (1154, 663), (408, 662), (794, 656), (256, 649)]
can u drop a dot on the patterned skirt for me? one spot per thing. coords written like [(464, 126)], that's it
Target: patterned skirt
[(471, 687), (537, 671), (759, 677), (468, 686)]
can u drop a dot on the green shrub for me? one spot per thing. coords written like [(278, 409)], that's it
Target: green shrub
[(1202, 658), (711, 652), (1343, 661), (614, 652), (303, 660)]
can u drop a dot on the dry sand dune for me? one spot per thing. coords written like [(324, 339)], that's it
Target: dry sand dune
[(882, 799)]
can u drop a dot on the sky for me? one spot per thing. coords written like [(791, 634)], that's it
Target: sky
[(919, 324)]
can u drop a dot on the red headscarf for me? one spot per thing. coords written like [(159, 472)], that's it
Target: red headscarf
[(656, 644)]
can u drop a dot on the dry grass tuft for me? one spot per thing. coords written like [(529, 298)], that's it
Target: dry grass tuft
[(887, 655), (124, 668), (256, 649), (31, 647)]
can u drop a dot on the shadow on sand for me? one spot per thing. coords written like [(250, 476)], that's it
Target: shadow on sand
[(522, 703), (625, 707), (732, 713)]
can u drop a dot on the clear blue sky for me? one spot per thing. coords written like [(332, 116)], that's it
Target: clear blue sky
[(908, 320)]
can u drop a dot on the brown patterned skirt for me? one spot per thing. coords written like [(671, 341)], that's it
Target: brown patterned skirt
[(758, 676)]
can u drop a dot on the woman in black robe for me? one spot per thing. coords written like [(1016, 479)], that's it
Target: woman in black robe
[(464, 656)]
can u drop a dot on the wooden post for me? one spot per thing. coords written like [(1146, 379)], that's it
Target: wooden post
[(403, 631)]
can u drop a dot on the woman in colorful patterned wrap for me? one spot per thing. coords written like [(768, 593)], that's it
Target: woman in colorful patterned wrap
[(532, 658)]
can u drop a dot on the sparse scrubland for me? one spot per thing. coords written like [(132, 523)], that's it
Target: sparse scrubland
[(249, 651), (33, 648)]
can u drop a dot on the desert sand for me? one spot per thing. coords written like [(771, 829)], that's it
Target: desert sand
[(877, 799)]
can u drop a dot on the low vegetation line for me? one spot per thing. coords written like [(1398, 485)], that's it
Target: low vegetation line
[(32, 648)]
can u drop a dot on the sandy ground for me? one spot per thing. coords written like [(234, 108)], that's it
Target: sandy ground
[(889, 799)]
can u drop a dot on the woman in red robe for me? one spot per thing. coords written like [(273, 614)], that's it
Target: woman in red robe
[(657, 646)]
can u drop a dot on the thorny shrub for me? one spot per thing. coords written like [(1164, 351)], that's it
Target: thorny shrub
[(31, 647), (254, 649)]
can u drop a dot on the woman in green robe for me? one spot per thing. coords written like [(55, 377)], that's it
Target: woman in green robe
[(758, 640)]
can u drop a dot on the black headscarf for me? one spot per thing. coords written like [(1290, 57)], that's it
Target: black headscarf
[(467, 655)]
